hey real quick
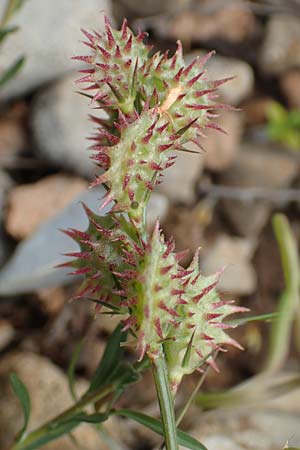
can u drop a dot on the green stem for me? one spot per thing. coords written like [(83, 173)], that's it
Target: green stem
[(69, 413), (166, 404), (288, 309)]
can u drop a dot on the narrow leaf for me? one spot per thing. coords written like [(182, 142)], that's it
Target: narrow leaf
[(12, 7), (110, 360), (48, 436), (4, 32), (259, 318), (37, 439), (11, 71), (21, 392), (91, 418), (72, 366), (155, 425), (187, 355), (289, 303)]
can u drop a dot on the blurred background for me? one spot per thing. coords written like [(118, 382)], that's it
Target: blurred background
[(223, 200)]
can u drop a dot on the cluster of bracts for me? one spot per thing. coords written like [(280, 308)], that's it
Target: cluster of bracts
[(151, 106)]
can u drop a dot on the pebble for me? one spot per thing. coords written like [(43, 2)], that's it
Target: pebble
[(49, 394), (257, 166), (7, 333), (234, 254), (51, 300), (233, 23), (12, 140), (61, 126), (178, 182), (158, 207), (136, 8), (219, 67), (49, 42), (255, 110), (290, 87), (39, 201), (33, 264), (6, 184), (195, 220), (222, 149), (281, 47), (248, 429)]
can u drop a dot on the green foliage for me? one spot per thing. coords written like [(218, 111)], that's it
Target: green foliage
[(289, 302), (265, 386), (72, 367), (154, 106), (284, 126), (12, 7), (23, 396), (11, 71), (155, 425)]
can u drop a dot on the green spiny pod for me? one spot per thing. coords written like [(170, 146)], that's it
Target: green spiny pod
[(154, 105), (201, 331), (103, 248), (135, 161), (155, 291), (183, 93), (117, 59)]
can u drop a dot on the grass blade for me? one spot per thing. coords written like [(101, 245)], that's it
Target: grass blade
[(21, 392), (72, 366), (155, 425), (11, 71), (289, 302), (111, 359)]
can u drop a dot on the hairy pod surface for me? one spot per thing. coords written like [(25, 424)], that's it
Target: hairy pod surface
[(154, 105)]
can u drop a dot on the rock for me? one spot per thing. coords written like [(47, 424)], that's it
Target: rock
[(157, 208), (234, 254), (49, 42), (222, 149), (134, 8), (49, 394), (182, 218), (51, 300), (178, 182), (220, 441), (288, 402), (233, 23), (255, 110), (248, 430), (61, 126), (281, 48), (12, 140), (32, 266), (7, 333), (39, 202), (219, 67), (6, 184), (290, 86), (257, 166)]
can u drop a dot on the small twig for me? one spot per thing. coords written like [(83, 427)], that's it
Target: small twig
[(250, 194)]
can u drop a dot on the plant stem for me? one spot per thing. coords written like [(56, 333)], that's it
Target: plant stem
[(288, 309), (166, 404), (69, 413)]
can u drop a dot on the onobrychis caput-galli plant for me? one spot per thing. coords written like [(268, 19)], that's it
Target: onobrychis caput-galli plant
[(153, 106)]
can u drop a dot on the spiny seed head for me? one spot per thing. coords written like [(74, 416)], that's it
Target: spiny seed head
[(154, 105), (202, 327)]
